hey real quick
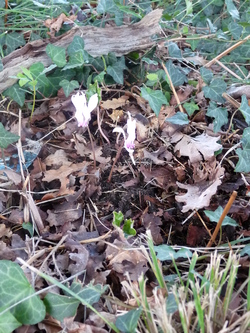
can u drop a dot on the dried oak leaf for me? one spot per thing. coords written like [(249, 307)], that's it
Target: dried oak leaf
[(55, 24), (158, 157), (199, 195), (124, 260), (115, 103), (152, 223), (164, 176), (198, 148)]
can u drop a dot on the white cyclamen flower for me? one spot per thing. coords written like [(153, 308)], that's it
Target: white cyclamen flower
[(83, 109), (129, 139)]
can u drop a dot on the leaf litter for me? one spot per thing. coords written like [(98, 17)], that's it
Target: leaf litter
[(69, 193)]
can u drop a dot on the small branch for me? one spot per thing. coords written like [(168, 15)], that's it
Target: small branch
[(93, 148), (116, 159), (223, 215), (173, 88), (224, 53)]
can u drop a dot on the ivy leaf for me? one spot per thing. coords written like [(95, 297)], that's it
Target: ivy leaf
[(68, 86), (60, 307), (206, 75), (12, 41), (177, 76), (15, 287), (155, 98), (8, 322), (243, 165), (179, 118), (127, 323), (191, 108), (215, 90), (232, 10), (245, 109), (77, 60), (166, 252), (16, 93), (77, 45), (235, 29), (174, 51), (215, 216), (6, 138), (219, 114), (57, 54), (116, 70)]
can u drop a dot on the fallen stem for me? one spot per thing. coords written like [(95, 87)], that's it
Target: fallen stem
[(116, 158), (223, 215), (93, 148), (173, 88)]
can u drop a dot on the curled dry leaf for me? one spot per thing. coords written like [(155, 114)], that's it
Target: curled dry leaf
[(198, 148), (199, 195), (55, 24), (160, 156)]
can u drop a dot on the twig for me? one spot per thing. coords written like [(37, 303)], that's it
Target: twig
[(223, 215), (228, 70), (99, 125), (116, 158), (230, 49), (93, 148), (173, 88)]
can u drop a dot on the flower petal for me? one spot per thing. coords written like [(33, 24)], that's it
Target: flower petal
[(93, 101)]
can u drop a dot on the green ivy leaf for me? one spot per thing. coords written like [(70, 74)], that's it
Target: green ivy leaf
[(245, 109), (243, 165), (178, 78), (116, 70), (235, 29), (68, 86), (245, 250), (219, 114), (232, 10), (8, 322), (77, 45), (191, 108), (215, 216), (60, 307), (13, 40), (128, 228), (173, 50), (117, 219), (127, 323), (166, 252), (15, 93), (77, 59), (155, 98), (215, 90), (206, 75), (14, 287), (57, 54), (179, 118)]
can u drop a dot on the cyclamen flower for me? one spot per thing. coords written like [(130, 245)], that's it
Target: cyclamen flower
[(129, 143), (83, 109)]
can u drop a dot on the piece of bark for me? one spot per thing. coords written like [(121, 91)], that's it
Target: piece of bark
[(98, 41)]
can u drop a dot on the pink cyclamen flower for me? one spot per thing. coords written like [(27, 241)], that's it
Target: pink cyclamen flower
[(129, 143), (83, 109)]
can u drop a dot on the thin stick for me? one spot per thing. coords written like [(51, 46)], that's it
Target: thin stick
[(230, 49), (228, 70), (223, 215), (99, 125), (173, 88), (116, 158), (93, 148)]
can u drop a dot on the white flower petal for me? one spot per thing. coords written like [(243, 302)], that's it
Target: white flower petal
[(93, 101)]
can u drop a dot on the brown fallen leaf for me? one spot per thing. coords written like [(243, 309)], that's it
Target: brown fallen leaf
[(196, 148), (115, 103), (182, 94), (159, 157), (56, 23), (164, 176), (199, 195)]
